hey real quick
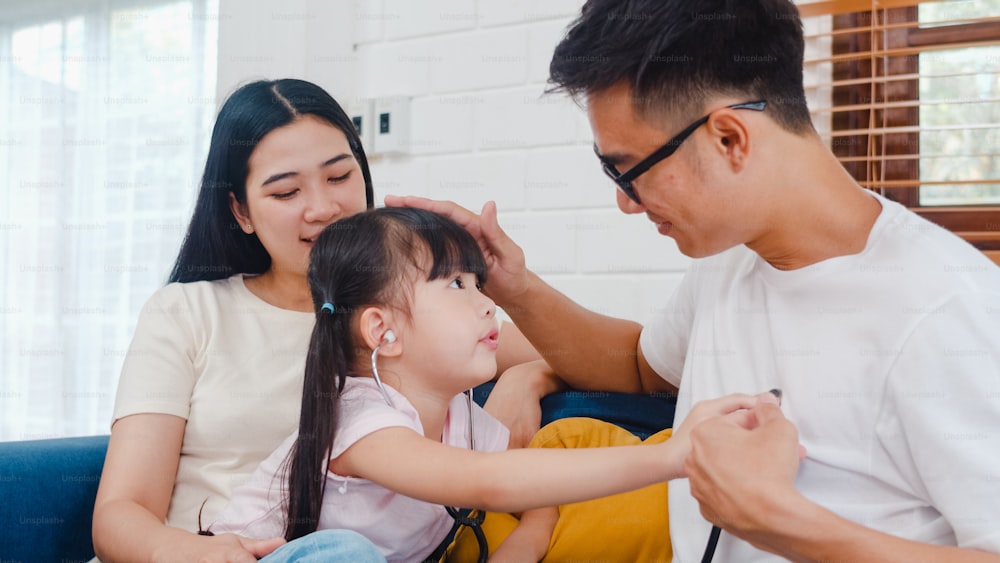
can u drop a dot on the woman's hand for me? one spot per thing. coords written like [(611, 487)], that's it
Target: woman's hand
[(508, 275), (515, 399), (224, 548)]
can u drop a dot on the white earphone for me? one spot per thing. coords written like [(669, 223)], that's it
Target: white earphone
[(388, 338)]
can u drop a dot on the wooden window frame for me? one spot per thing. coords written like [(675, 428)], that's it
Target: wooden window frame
[(893, 105)]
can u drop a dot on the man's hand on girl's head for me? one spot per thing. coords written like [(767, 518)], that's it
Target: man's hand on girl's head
[(508, 275)]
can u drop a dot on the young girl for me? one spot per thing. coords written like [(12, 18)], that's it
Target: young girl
[(385, 435)]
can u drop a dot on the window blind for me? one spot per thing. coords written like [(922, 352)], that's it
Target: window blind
[(907, 94)]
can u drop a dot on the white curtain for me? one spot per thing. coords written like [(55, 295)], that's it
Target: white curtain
[(105, 112)]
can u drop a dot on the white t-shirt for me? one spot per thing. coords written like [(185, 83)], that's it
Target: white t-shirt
[(889, 361), (229, 363), (403, 528)]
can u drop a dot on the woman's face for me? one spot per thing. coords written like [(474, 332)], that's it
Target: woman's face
[(302, 177)]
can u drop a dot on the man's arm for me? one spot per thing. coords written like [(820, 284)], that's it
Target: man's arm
[(791, 533), (588, 350), (756, 499)]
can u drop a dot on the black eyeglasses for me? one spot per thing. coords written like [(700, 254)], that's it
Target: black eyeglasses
[(624, 179)]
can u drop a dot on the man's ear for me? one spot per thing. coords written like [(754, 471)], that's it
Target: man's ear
[(375, 322), (730, 136), (241, 212)]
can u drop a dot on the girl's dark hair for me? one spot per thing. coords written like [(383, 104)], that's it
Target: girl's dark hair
[(677, 54), (214, 246), (359, 261)]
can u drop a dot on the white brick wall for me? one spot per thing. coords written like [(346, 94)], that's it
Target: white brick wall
[(481, 128)]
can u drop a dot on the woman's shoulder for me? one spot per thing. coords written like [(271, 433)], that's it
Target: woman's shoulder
[(176, 293), (195, 304)]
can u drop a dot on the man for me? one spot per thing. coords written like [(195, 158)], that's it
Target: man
[(882, 329)]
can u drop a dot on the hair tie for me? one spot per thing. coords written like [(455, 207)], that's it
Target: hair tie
[(327, 307)]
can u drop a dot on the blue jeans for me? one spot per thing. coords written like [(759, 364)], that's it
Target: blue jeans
[(327, 546)]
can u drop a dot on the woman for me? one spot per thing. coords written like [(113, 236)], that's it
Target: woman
[(213, 378)]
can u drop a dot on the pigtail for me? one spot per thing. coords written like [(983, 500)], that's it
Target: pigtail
[(309, 458)]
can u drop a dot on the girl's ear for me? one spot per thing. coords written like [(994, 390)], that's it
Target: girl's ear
[(375, 324), (242, 214)]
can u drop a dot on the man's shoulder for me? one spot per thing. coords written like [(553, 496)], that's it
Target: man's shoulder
[(934, 254)]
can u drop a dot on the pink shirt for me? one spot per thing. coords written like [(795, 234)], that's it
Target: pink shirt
[(403, 528)]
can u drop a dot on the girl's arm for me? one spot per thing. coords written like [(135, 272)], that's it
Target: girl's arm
[(402, 460), (134, 495)]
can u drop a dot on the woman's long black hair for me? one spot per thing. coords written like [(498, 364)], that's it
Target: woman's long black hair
[(357, 262), (214, 246)]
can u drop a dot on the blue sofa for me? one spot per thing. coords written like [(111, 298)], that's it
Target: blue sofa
[(47, 487)]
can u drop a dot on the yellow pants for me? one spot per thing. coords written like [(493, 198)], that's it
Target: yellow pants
[(629, 527)]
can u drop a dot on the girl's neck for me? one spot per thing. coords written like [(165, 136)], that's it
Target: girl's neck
[(286, 290), (432, 409)]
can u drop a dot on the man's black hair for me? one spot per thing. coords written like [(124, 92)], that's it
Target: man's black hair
[(677, 55)]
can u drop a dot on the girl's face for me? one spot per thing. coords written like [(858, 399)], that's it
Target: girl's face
[(302, 177), (452, 332)]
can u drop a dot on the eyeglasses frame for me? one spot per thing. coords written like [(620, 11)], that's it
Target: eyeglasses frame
[(624, 179)]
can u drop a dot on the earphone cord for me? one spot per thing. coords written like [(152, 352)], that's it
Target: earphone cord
[(713, 542), (472, 519), (378, 380)]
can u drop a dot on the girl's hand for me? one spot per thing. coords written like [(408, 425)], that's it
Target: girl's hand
[(224, 548), (735, 409)]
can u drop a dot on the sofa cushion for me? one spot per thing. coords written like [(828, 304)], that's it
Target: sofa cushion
[(48, 489)]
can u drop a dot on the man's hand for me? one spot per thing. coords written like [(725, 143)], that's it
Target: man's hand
[(731, 410), (737, 468), (508, 275)]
